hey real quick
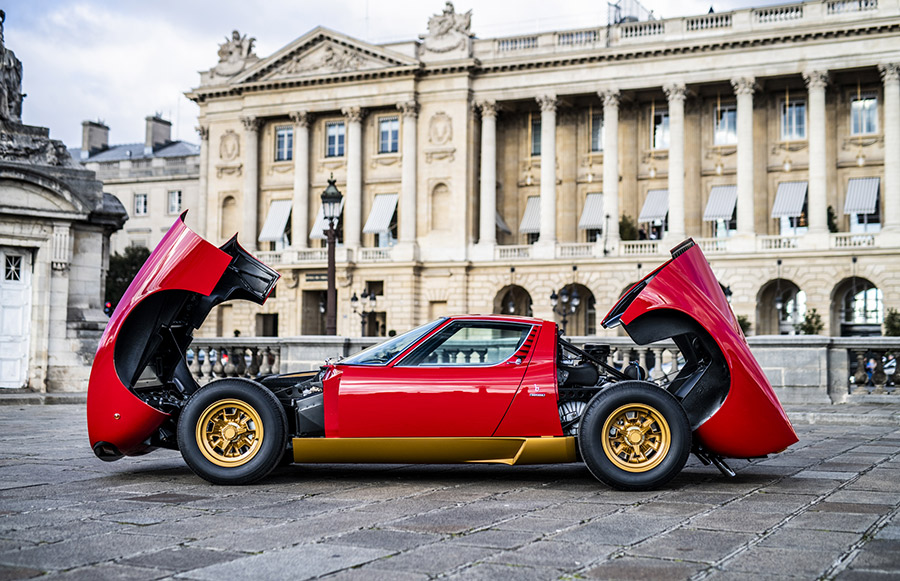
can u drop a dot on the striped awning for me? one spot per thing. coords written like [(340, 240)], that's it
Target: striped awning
[(321, 224), (720, 205), (276, 221), (502, 225), (656, 206), (531, 220), (592, 214), (789, 199), (379, 220), (862, 196)]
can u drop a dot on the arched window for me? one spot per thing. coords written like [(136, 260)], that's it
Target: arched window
[(781, 306), (441, 212), (513, 300), (860, 307)]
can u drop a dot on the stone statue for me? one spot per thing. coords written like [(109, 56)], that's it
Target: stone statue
[(448, 30), (234, 54), (10, 81)]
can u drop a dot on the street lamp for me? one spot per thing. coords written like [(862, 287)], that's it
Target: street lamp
[(565, 304), (331, 210), (363, 307)]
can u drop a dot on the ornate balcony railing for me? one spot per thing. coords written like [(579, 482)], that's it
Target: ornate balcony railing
[(575, 250), (712, 245), (778, 242), (517, 252), (210, 359), (847, 240), (640, 247)]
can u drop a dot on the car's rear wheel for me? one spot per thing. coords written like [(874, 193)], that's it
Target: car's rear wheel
[(634, 436), (232, 431)]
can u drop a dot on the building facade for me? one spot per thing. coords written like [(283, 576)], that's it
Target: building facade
[(487, 175), (155, 180)]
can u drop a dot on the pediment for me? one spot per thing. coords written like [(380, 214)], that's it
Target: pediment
[(322, 53)]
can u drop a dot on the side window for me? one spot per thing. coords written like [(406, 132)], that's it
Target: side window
[(470, 343)]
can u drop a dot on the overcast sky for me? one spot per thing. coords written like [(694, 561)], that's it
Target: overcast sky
[(121, 61)]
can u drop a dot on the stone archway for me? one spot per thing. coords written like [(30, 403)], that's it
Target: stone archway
[(576, 310), (780, 306), (513, 300), (857, 308)]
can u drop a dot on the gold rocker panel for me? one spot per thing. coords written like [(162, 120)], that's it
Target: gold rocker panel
[(549, 450)]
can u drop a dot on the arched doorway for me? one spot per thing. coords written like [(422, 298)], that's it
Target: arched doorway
[(513, 300), (857, 308), (780, 306), (575, 309)]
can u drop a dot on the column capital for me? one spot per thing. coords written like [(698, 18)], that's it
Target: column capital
[(890, 72), (675, 92), (301, 118), (611, 97), (409, 109), (251, 124), (815, 79), (547, 103), (487, 108), (744, 85), (203, 132), (354, 114)]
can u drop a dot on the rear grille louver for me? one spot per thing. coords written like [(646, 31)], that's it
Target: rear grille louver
[(526, 345)]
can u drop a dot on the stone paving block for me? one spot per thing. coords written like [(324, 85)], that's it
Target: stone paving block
[(295, 563), (107, 572), (578, 511), (386, 539), (492, 572), (371, 573), (617, 529), (641, 569), (435, 559), (879, 555), (890, 532), (691, 545), (770, 502), (533, 524), (833, 521), (737, 521), (458, 519), (298, 508), (863, 575), (205, 526), (806, 562), (556, 553), (83, 551), (851, 507), (63, 531), (180, 559), (496, 538), (10, 573), (793, 538), (677, 509)]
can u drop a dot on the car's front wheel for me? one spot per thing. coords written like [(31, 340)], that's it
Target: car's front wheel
[(634, 436), (232, 431)]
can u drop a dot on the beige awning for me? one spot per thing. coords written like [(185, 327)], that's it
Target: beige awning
[(721, 203), (379, 220), (276, 221), (789, 199), (862, 196), (592, 214), (656, 206), (531, 220), (321, 224)]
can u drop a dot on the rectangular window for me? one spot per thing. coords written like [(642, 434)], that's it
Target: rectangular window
[(175, 202), (596, 133), (864, 114), (660, 136), (725, 132), (284, 143), (593, 234), (388, 134), (793, 120), (334, 139), (535, 136), (12, 268), (140, 204)]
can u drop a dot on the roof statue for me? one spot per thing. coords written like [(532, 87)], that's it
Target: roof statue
[(234, 54), (448, 30), (10, 81)]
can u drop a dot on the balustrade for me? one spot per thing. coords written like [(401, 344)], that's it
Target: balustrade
[(873, 371), (210, 359)]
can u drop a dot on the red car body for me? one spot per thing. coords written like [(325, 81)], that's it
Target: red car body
[(408, 408)]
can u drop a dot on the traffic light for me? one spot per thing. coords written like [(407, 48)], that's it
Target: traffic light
[(107, 308)]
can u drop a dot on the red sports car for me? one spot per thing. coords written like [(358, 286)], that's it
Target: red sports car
[(475, 388)]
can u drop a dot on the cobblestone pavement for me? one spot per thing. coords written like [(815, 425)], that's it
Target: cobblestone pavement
[(826, 508)]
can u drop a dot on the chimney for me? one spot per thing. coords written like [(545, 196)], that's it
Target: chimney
[(94, 138), (159, 132)]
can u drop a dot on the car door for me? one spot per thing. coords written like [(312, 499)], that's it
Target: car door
[(459, 382)]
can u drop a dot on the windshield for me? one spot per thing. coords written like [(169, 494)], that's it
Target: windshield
[(383, 352)]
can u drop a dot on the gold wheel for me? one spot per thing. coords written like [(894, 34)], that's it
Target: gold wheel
[(636, 437), (229, 433)]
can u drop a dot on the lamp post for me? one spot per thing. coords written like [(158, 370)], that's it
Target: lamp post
[(363, 308), (564, 304), (331, 210)]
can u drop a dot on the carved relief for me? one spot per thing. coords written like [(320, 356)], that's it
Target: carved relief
[(234, 54), (440, 134), (229, 146), (448, 30), (329, 58)]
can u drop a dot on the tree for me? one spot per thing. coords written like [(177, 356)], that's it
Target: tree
[(122, 270), (812, 324), (892, 323), (832, 220), (744, 322), (627, 228)]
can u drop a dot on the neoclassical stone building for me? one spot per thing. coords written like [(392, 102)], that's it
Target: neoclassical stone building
[(482, 175)]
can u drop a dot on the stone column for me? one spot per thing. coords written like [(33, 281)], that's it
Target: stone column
[(744, 88), (353, 203), (818, 199), (300, 204), (249, 228), (548, 169), (202, 194), (611, 166), (408, 215), (890, 190), (675, 93), (487, 222)]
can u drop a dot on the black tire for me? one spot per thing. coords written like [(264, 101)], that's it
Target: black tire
[(634, 436), (232, 431)]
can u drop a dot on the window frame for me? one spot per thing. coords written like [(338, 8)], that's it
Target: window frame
[(169, 209), (723, 129), (535, 146), (338, 147), (284, 143), (417, 357), (870, 95), (388, 137), (783, 109), (596, 129), (141, 204), (663, 126)]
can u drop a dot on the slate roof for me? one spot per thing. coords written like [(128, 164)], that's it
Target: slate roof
[(136, 151)]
